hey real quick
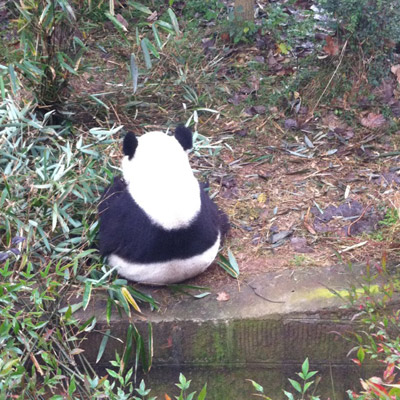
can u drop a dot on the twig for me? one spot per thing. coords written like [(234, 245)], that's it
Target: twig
[(260, 295), (330, 81), (355, 246), (362, 214)]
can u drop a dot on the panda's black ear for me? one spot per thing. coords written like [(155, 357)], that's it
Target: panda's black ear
[(184, 136), (130, 144)]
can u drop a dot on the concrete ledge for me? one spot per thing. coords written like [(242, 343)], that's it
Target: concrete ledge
[(276, 318)]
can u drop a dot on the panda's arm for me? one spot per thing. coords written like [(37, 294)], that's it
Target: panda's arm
[(110, 216), (216, 214)]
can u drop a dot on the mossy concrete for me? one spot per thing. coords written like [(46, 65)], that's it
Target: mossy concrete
[(266, 329), (275, 318)]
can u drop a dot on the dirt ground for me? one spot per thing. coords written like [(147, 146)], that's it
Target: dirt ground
[(300, 187)]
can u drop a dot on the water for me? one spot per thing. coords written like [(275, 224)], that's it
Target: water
[(231, 383)]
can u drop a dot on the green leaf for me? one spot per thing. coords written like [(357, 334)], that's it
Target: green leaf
[(224, 263), (152, 48), (202, 395), (310, 374), (88, 325), (2, 89), (72, 386), (296, 385), (134, 73), (71, 307), (174, 21), (284, 48), (142, 389), (305, 367), (201, 295), (257, 386), (146, 53), (140, 7), (128, 346), (108, 310), (79, 42), (150, 346), (307, 385), (98, 101), (86, 295), (233, 262), (288, 395), (156, 36), (60, 58), (13, 78), (190, 396), (120, 28), (166, 26), (361, 354), (103, 345)]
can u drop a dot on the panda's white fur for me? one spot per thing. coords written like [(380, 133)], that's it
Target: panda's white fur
[(161, 181), (167, 272), (158, 225)]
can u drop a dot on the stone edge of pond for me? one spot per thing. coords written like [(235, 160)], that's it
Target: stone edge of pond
[(277, 317)]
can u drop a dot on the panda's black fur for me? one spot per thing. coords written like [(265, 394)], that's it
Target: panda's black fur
[(134, 240)]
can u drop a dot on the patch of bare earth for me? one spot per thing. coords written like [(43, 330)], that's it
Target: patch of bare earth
[(298, 189)]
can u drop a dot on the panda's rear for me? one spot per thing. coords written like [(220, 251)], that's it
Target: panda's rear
[(158, 225)]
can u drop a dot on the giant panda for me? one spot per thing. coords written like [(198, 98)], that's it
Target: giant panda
[(158, 225)]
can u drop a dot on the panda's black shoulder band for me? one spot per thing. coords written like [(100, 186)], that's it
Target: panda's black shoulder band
[(184, 136), (130, 144)]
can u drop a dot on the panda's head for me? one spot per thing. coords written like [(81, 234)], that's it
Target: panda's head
[(159, 177)]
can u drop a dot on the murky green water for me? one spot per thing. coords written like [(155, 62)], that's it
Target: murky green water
[(231, 383)]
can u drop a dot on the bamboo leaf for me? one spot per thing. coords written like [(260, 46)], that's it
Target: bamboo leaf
[(146, 53), (98, 101), (140, 7), (134, 73), (153, 49), (156, 36), (13, 78), (103, 345), (233, 262), (86, 295), (174, 21), (166, 26), (130, 299)]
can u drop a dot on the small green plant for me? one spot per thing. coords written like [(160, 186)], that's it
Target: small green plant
[(302, 387), (240, 31), (391, 217), (377, 338), (298, 260), (208, 10), (184, 386)]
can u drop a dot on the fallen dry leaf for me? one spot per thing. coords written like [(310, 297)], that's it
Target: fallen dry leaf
[(223, 296), (225, 37), (152, 17), (122, 20), (373, 121), (332, 122), (396, 71), (331, 48)]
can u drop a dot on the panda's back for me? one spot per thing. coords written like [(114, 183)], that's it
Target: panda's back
[(144, 251)]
